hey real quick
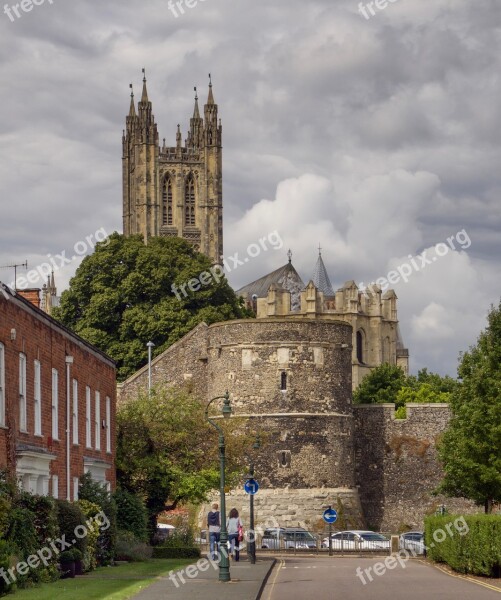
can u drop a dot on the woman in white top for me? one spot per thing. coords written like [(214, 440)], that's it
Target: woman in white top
[(233, 525)]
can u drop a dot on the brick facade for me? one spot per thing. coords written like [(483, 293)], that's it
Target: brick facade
[(32, 446)]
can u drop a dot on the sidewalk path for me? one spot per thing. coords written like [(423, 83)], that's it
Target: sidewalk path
[(246, 583)]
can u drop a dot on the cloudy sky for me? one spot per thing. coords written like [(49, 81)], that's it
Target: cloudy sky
[(377, 138)]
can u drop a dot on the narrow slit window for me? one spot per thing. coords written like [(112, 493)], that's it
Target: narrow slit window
[(283, 381)]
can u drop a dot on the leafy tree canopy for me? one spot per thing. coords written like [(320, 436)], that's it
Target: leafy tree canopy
[(167, 452), (470, 449), (121, 297), (389, 384)]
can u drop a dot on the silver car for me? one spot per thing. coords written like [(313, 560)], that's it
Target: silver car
[(413, 541), (286, 538), (357, 540)]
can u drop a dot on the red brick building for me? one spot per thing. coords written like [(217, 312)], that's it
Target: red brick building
[(57, 401)]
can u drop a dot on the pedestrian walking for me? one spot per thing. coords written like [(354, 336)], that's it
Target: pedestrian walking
[(235, 533), (214, 526)]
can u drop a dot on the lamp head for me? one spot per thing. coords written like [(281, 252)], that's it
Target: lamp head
[(227, 407)]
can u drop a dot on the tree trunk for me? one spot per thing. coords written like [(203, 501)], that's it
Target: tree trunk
[(488, 506)]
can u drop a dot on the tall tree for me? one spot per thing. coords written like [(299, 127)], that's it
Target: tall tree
[(122, 296), (470, 449), (168, 453)]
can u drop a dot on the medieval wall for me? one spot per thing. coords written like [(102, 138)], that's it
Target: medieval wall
[(184, 364), (397, 466)]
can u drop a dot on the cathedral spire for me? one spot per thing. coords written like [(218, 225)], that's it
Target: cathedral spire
[(196, 111), (132, 111), (144, 97), (210, 99), (321, 278)]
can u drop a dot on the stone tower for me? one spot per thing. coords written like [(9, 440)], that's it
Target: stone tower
[(174, 191)]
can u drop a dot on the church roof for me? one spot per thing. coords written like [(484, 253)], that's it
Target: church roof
[(321, 278), (285, 277)]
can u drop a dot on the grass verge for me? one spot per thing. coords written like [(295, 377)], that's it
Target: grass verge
[(106, 583)]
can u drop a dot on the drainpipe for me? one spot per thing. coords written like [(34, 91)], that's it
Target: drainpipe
[(69, 362)]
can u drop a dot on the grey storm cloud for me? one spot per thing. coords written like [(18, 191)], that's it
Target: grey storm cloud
[(376, 138)]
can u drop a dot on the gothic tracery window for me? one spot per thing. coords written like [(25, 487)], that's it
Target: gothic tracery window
[(189, 201), (167, 202)]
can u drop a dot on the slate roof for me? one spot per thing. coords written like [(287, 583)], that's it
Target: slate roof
[(285, 277), (321, 278)]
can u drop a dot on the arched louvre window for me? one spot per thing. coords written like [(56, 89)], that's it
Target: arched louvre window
[(167, 202), (360, 346), (189, 201)]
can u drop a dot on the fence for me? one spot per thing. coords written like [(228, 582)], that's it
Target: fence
[(300, 541)]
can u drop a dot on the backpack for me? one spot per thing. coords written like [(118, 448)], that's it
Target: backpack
[(213, 518)]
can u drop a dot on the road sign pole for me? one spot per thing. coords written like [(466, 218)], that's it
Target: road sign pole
[(330, 539)]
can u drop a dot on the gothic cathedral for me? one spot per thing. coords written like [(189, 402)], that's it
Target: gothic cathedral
[(174, 191)]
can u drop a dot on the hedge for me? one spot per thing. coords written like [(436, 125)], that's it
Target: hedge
[(468, 544), (163, 552), (131, 514)]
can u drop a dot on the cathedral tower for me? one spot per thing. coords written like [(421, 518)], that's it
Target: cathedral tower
[(174, 191)]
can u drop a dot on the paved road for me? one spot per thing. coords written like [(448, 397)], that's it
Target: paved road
[(329, 579)]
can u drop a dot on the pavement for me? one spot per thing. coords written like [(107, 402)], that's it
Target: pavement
[(247, 582)]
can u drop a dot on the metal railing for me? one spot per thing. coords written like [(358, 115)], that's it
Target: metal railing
[(311, 542)]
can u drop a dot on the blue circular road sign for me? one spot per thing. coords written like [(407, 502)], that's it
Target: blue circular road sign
[(330, 515), (251, 486)]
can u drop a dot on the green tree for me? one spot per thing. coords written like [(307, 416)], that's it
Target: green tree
[(381, 385), (388, 383), (470, 449), (167, 452), (121, 297)]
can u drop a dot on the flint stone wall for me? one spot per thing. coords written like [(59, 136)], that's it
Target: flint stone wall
[(397, 466)]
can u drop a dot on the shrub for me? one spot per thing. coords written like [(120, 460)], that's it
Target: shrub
[(70, 516), (128, 547), (179, 538), (478, 551), (5, 563), (90, 510), (95, 492), (168, 552), (131, 514)]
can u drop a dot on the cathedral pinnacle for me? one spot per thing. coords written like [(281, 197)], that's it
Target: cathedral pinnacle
[(210, 100), (132, 112), (196, 111), (144, 97)]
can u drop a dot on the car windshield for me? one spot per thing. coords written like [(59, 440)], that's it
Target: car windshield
[(373, 537)]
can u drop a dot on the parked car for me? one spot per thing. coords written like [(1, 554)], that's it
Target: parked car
[(357, 540), (413, 541), (278, 538)]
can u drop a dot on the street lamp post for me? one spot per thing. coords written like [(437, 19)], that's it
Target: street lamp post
[(150, 345), (224, 563), (251, 546)]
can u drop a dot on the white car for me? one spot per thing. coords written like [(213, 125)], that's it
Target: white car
[(413, 541), (357, 540)]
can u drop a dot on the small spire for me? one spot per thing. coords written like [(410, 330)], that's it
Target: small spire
[(196, 111), (178, 136), (321, 278), (210, 100), (289, 255), (144, 97), (132, 111)]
